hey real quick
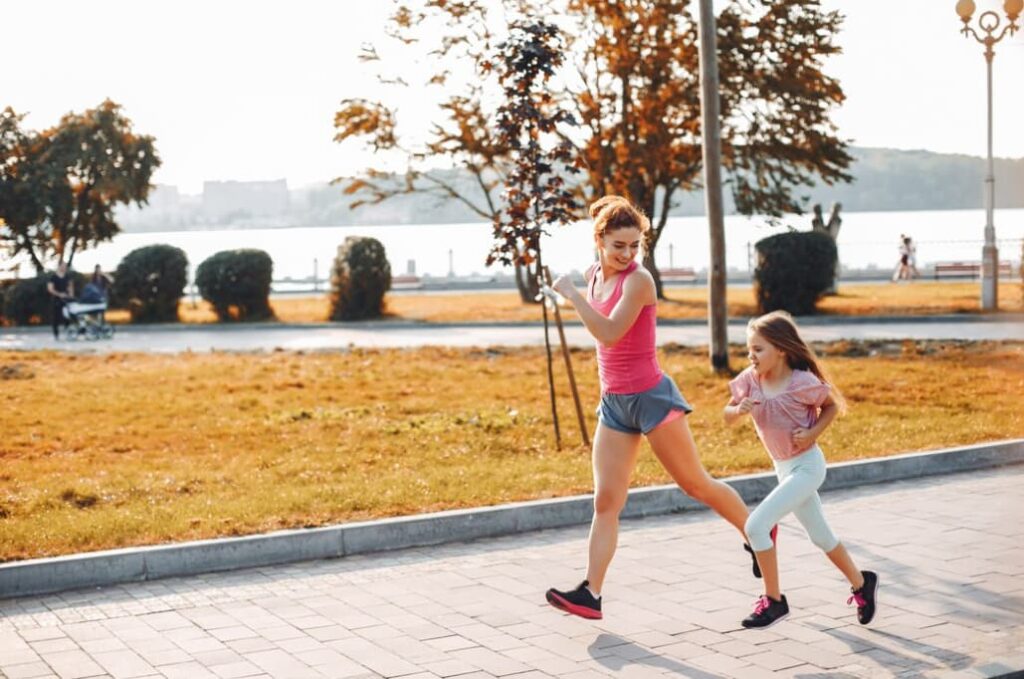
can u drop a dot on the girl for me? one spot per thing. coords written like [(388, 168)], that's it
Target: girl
[(789, 397), (637, 398)]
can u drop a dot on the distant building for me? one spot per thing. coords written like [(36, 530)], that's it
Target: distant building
[(163, 198), (226, 201)]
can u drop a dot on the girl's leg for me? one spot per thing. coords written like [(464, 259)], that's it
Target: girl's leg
[(614, 458), (863, 584), (811, 516), (674, 447), (844, 562), (797, 482)]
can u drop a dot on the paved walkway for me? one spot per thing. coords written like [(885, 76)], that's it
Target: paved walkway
[(268, 337), (950, 551)]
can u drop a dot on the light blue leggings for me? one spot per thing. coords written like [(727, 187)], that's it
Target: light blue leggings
[(797, 493)]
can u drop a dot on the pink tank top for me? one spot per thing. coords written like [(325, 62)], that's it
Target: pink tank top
[(630, 365)]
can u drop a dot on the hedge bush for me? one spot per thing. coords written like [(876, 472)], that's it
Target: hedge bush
[(27, 302), (359, 279), (149, 282), (237, 284), (793, 271)]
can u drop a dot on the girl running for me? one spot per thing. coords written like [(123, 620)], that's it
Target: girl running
[(637, 398), (788, 395)]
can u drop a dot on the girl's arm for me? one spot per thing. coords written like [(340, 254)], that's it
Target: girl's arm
[(637, 292), (829, 411), (735, 411)]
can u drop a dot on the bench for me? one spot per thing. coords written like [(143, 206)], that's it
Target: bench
[(971, 269), (680, 275), (406, 282)]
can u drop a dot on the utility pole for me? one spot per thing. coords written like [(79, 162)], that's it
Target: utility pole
[(712, 158)]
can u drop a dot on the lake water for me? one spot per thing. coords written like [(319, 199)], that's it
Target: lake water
[(867, 240)]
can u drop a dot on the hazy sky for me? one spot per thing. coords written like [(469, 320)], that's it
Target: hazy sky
[(248, 90)]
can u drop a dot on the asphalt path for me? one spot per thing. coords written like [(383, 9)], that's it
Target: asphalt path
[(269, 337)]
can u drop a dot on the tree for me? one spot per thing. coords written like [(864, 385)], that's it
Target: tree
[(536, 195), (635, 89), (59, 187), (638, 93), (465, 134)]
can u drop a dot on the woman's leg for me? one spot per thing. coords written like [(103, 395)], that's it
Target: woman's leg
[(674, 447), (614, 458)]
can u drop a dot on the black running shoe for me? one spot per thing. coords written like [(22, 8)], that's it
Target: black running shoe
[(767, 612), (578, 602), (865, 597), (753, 557)]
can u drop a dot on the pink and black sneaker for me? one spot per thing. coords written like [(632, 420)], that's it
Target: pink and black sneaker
[(578, 601), (865, 597), (767, 612)]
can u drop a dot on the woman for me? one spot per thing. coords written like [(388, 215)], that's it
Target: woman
[(637, 398)]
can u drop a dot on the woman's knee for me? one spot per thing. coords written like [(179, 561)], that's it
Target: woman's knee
[(609, 502), (700, 488)]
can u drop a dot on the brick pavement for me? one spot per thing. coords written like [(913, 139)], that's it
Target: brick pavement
[(950, 552)]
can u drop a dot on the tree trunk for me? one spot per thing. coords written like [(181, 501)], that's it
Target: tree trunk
[(650, 266), (524, 293)]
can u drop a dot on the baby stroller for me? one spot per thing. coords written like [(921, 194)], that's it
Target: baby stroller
[(87, 316)]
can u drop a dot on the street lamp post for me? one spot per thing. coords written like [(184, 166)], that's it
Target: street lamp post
[(989, 23)]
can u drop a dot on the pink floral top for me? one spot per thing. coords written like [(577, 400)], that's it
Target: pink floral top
[(777, 416)]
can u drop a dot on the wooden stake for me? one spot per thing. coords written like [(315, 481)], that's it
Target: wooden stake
[(568, 368), (551, 378)]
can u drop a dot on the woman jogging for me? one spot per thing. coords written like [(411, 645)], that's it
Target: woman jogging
[(637, 398)]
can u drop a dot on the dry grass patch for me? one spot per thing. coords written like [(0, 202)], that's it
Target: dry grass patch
[(127, 449), (887, 299)]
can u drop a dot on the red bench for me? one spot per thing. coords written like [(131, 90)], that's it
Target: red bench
[(971, 269), (683, 275)]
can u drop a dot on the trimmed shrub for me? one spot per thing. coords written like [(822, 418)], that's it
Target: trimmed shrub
[(237, 284), (149, 282), (360, 278), (5, 285), (27, 302), (793, 271)]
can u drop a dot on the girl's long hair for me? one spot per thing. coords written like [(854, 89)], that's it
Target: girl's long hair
[(779, 330)]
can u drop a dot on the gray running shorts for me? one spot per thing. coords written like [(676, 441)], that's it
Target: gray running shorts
[(641, 412)]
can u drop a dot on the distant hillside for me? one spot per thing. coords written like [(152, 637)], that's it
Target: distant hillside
[(884, 180)]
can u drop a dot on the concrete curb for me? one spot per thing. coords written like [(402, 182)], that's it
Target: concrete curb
[(44, 576)]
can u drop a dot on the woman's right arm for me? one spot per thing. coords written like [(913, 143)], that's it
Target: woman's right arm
[(637, 292)]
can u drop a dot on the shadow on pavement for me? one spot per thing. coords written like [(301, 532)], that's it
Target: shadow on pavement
[(628, 653)]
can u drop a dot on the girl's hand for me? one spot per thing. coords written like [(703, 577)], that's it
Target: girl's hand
[(803, 437), (746, 405), (564, 287)]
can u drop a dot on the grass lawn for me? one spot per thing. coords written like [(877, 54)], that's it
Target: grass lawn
[(887, 299), (101, 451)]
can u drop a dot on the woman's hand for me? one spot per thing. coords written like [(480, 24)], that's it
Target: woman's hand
[(564, 287)]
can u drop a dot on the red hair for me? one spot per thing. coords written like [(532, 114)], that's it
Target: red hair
[(615, 212)]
